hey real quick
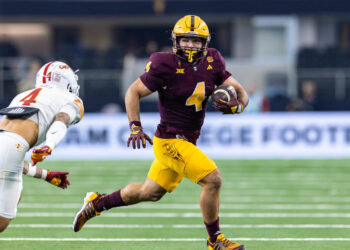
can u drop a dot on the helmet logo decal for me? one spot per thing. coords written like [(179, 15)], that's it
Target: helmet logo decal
[(45, 71), (64, 67), (56, 78), (49, 75)]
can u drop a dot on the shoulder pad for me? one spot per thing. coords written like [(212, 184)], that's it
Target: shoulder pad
[(78, 102), (160, 62), (214, 56)]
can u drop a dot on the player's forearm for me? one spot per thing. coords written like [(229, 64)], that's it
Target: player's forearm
[(242, 96), (34, 171), (135, 92), (132, 105), (132, 100)]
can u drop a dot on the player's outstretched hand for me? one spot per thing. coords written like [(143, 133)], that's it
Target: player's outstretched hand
[(137, 136), (40, 154), (57, 178)]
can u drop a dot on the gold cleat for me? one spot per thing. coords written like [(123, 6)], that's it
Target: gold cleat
[(88, 210), (223, 243)]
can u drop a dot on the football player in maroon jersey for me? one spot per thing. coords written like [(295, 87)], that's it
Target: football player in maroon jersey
[(184, 80)]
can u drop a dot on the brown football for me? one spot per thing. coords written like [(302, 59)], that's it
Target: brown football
[(225, 93)]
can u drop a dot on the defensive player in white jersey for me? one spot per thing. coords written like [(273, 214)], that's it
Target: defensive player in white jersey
[(34, 116)]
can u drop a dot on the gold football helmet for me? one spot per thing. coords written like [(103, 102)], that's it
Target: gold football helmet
[(190, 26)]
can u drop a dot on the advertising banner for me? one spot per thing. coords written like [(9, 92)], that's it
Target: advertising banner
[(268, 135)]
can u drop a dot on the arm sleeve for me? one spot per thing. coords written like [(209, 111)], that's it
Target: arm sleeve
[(55, 134)]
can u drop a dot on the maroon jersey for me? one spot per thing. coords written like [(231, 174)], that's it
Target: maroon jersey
[(183, 90)]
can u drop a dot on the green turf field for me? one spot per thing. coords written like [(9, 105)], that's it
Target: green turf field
[(299, 204)]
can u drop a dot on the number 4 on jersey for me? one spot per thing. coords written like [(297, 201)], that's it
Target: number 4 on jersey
[(197, 96), (30, 98)]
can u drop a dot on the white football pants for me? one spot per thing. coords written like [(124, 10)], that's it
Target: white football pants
[(12, 151)]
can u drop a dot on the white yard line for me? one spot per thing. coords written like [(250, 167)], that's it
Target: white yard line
[(229, 198), (194, 215), (196, 206), (244, 192), (180, 226), (170, 239), (267, 226), (87, 226)]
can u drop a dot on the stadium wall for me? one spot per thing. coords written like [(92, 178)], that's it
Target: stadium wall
[(256, 136)]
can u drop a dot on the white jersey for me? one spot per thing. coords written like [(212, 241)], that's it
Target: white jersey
[(50, 101)]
